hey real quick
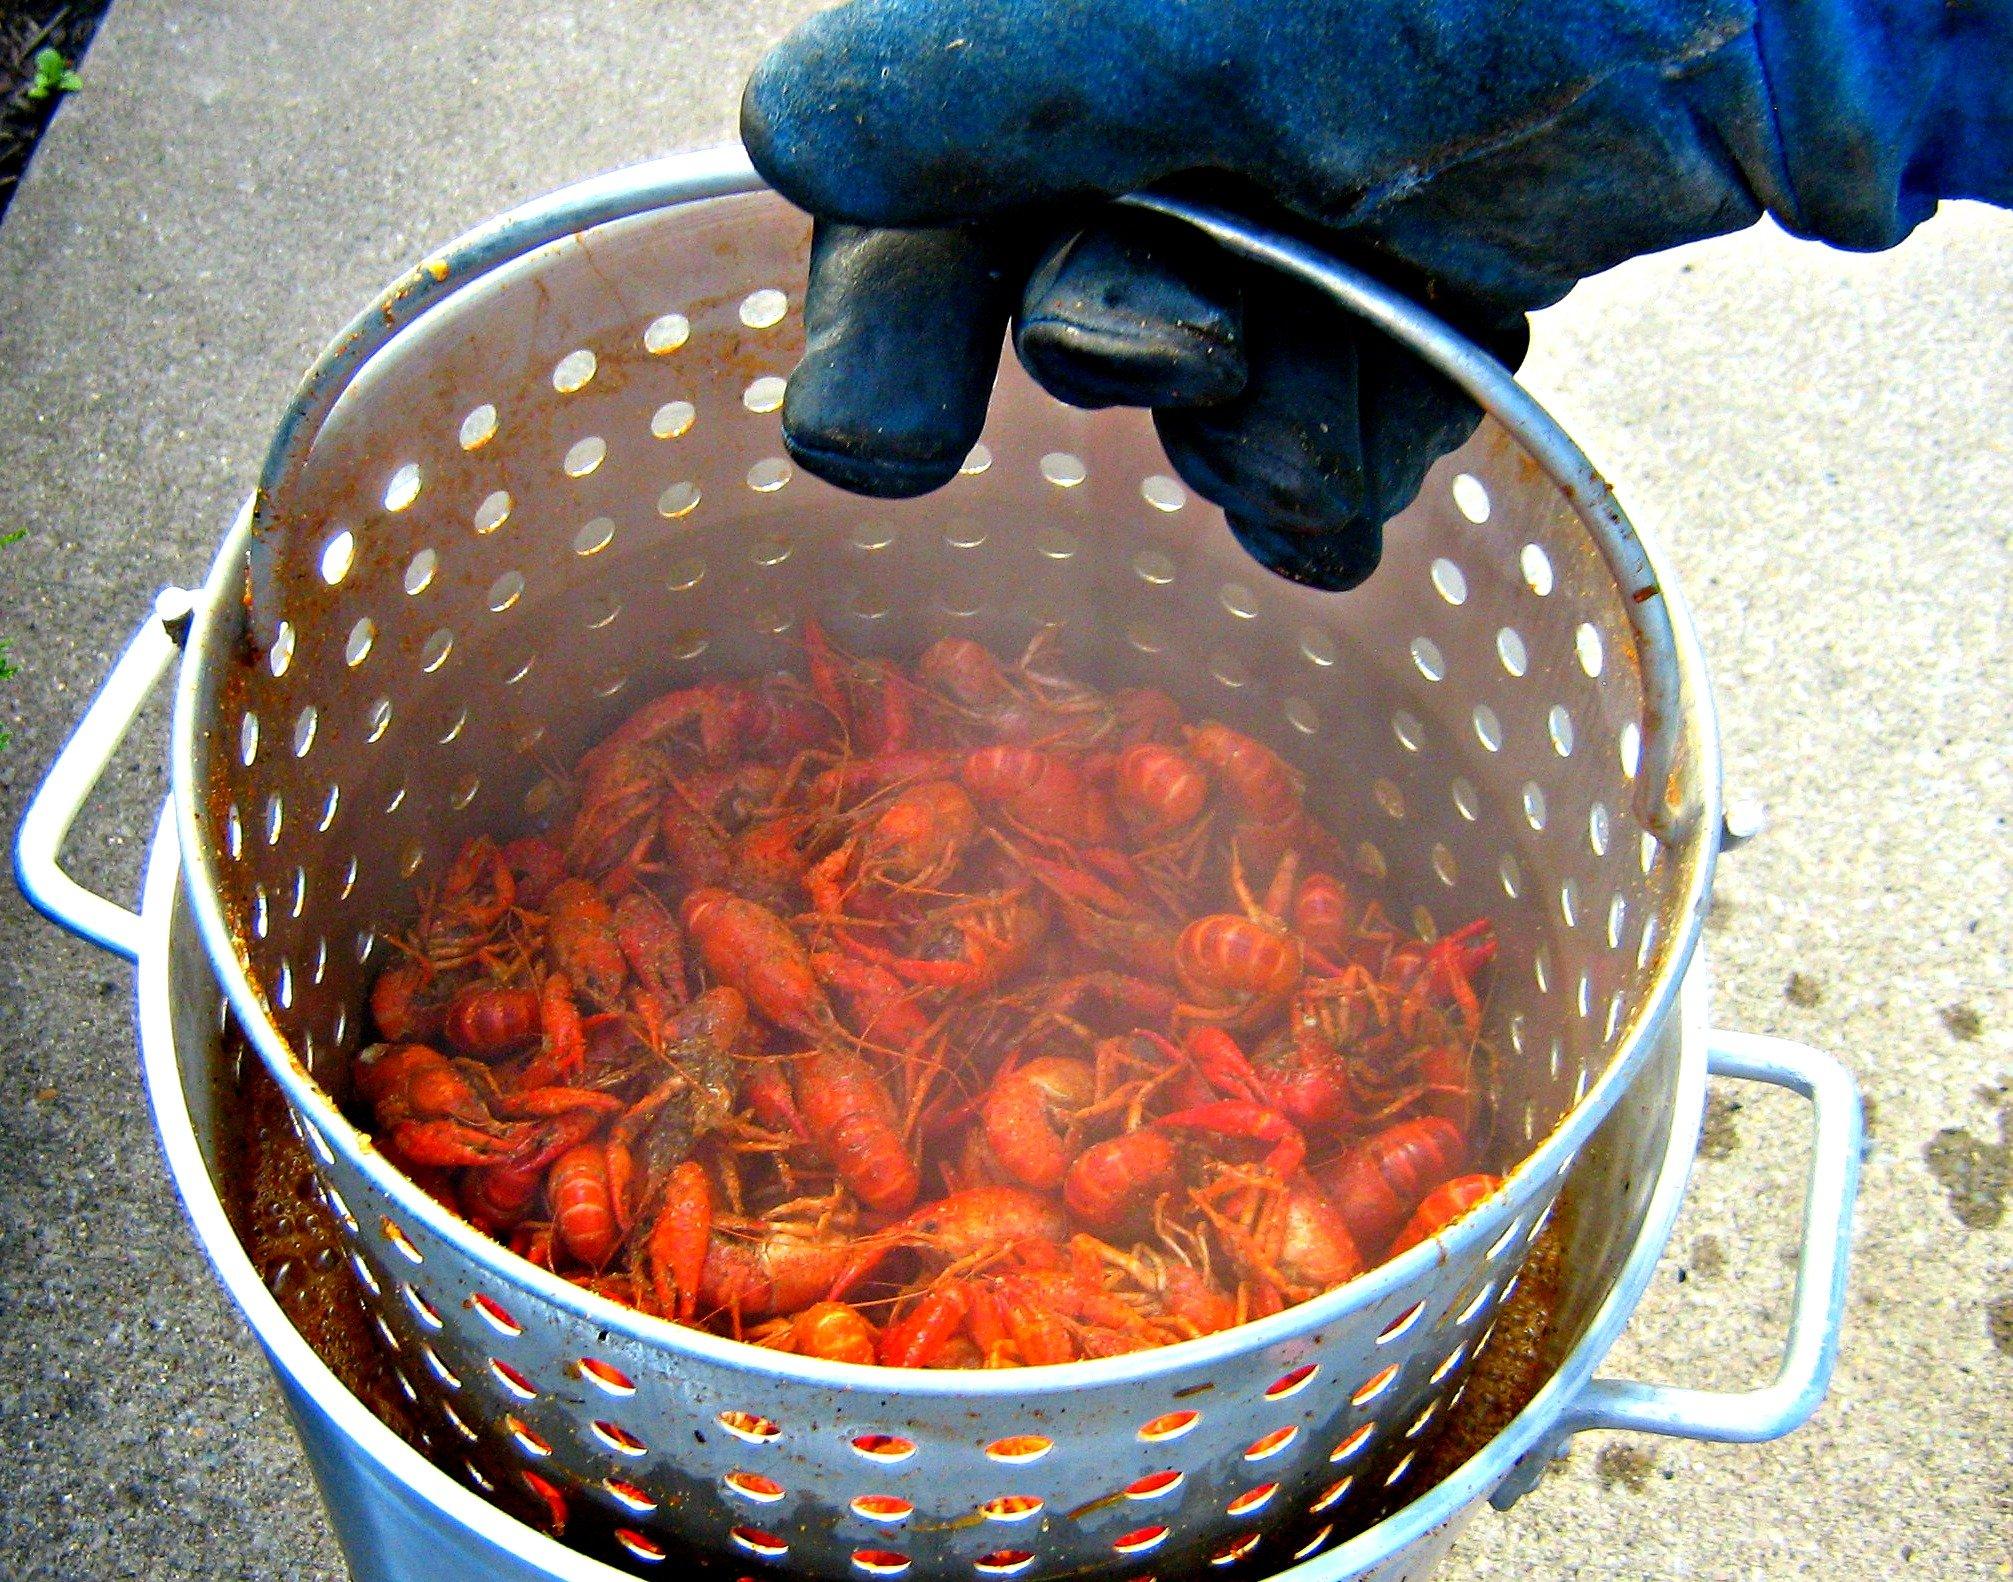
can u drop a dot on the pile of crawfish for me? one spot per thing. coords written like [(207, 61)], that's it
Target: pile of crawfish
[(959, 1015)]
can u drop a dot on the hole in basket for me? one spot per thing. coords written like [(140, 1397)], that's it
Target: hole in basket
[(1449, 1363), (419, 572), (584, 455), (1510, 650), (753, 1486), (756, 1541), (1267, 1445), (764, 394), (882, 1508), (630, 1496), (1314, 1543), (881, 1562), (304, 729), (1063, 469), (248, 739), (666, 334), (1597, 829), (976, 461), (505, 591), (574, 371), (1630, 749), (1534, 804), (493, 512), (769, 474), (680, 499), (1018, 1449), (1466, 800), (356, 649), (594, 536), (1410, 732), (760, 310), (337, 556), (1152, 567), (618, 1438), (1488, 729), (1354, 1441), (276, 817), (756, 1430), (1169, 1425), (1326, 1499), (1470, 498), (1587, 644), (641, 1546), (438, 647), (1292, 1383), (884, 1447), (403, 488), (1559, 726), (479, 427), (512, 1380), (1569, 906), (1139, 1540), (1162, 492), (1235, 1550), (529, 1440), (394, 1234), (422, 1309), (1251, 1500), (445, 1374), (1449, 581), (496, 1314), (282, 653), (1403, 1467), (1154, 1485), (1537, 568), (607, 1376), (1427, 656), (1003, 1562), (672, 419)]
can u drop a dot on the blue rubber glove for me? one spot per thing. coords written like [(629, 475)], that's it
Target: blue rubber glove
[(1482, 155)]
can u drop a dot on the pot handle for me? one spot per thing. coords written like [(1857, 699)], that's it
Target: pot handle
[(74, 775), (1751, 1416)]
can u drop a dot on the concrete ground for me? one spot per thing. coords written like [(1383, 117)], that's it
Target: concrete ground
[(1822, 439)]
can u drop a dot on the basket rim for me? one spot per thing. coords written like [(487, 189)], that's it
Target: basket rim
[(673, 182)]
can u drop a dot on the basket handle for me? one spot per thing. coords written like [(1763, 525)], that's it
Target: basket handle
[(1670, 788), (1787, 1402), (74, 774)]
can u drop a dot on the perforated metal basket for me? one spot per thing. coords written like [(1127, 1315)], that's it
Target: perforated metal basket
[(542, 481)]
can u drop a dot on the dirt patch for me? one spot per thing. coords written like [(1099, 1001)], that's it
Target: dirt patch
[(1719, 1137), (1974, 1173), (1999, 1323), (1626, 1464), (27, 28), (1803, 991), (1963, 1022), (1708, 1256)]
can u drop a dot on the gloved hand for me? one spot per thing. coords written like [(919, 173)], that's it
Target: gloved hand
[(1481, 154)]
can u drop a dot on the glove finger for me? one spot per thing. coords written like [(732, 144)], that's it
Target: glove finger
[(926, 112), (902, 339), (1132, 311), (1331, 437)]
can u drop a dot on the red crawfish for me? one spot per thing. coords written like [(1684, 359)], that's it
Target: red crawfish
[(1379, 1182), (1441, 1207)]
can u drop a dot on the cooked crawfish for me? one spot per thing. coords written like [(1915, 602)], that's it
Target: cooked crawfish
[(944, 1014)]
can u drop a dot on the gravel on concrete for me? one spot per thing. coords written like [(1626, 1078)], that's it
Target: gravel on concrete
[(1822, 439)]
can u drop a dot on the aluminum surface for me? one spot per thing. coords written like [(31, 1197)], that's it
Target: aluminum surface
[(561, 490)]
